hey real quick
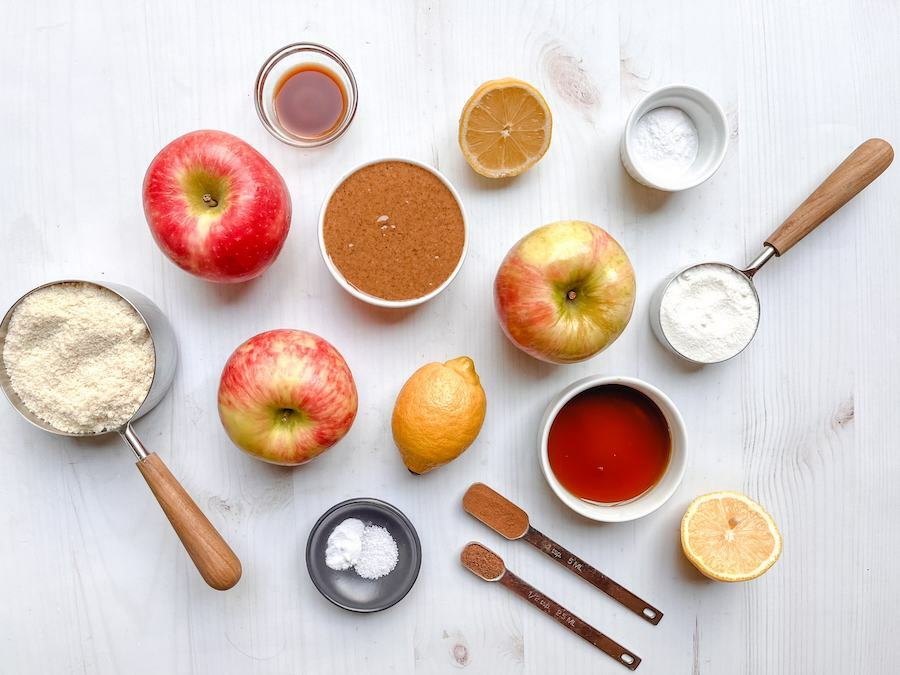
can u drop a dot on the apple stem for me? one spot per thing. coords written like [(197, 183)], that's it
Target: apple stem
[(571, 295), (209, 201)]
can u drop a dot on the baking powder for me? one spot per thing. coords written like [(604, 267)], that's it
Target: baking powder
[(709, 313), (79, 356), (665, 143), (344, 544)]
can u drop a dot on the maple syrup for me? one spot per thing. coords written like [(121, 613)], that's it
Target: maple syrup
[(609, 444), (310, 101)]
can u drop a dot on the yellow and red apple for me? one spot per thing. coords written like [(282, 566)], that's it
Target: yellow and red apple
[(286, 396), (216, 207), (565, 292)]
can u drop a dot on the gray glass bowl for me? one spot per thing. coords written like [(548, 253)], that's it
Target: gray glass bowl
[(346, 588)]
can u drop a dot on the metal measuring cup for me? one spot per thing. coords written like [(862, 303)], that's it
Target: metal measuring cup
[(216, 562), (858, 170)]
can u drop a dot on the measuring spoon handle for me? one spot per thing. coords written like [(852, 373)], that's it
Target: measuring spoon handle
[(861, 167), (594, 576), (563, 616)]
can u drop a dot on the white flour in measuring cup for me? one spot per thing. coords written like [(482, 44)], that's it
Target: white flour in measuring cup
[(709, 312)]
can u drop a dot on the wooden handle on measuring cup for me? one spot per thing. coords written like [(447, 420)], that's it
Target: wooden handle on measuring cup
[(861, 167), (216, 562)]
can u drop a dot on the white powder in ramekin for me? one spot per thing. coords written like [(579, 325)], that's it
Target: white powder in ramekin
[(665, 143), (79, 356), (709, 312)]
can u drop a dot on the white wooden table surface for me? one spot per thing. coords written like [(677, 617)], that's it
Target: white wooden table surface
[(93, 579)]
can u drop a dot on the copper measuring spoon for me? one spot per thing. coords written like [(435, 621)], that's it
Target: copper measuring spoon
[(510, 521), (487, 565)]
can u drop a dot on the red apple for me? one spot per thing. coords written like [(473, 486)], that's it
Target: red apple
[(564, 292), (216, 206), (286, 396)]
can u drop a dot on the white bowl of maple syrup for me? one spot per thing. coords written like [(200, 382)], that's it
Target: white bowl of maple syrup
[(613, 449)]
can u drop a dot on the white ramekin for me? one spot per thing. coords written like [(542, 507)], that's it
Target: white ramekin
[(712, 129), (372, 299), (653, 498)]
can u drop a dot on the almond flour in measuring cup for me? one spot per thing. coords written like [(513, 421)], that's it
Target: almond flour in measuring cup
[(79, 356)]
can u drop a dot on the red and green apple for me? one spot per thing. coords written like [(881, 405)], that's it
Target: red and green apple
[(286, 396), (565, 292)]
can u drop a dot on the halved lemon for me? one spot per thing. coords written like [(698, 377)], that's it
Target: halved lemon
[(504, 128), (729, 537)]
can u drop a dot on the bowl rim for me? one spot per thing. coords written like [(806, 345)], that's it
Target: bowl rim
[(645, 105), (649, 501), (373, 299), (379, 504)]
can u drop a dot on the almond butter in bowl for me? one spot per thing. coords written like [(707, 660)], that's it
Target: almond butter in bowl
[(393, 232)]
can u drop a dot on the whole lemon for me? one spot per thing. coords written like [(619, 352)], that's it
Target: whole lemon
[(438, 414)]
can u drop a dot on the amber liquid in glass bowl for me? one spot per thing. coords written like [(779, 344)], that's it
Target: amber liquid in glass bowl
[(305, 95), (310, 101)]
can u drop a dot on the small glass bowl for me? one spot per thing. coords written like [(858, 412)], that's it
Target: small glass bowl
[(286, 59)]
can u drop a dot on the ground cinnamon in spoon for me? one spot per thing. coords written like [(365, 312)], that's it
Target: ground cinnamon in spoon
[(495, 511), (394, 230), (483, 562)]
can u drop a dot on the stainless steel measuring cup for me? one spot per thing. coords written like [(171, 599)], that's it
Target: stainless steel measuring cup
[(216, 562), (858, 170)]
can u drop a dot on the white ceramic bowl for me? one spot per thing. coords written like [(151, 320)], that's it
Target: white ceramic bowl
[(650, 500), (372, 299), (712, 129)]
